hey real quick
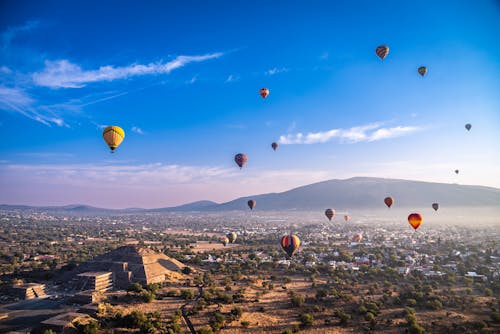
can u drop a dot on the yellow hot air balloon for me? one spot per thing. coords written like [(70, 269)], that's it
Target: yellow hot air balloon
[(113, 136), (415, 219)]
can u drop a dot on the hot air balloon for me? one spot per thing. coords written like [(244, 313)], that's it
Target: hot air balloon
[(274, 146), (113, 136), (290, 244), (346, 217), (382, 51), (468, 126), (330, 213), (240, 159), (232, 237), (457, 171), (251, 204), (388, 201), (357, 238), (415, 219), (264, 92), (422, 70), (225, 241), (435, 206)]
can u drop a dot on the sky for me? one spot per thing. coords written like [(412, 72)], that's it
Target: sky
[(182, 79)]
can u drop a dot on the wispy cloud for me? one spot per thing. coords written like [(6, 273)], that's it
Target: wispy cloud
[(232, 78), (192, 80), (12, 32), (18, 101), (64, 74), (365, 133), (137, 130), (276, 70)]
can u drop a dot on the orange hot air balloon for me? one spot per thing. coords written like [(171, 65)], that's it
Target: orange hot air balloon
[(251, 204), (240, 159), (415, 219), (389, 201), (435, 206), (274, 146), (382, 51), (264, 92), (290, 244), (422, 70), (225, 241), (346, 217), (330, 213), (357, 237)]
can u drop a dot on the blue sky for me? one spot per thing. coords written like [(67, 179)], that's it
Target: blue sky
[(182, 79)]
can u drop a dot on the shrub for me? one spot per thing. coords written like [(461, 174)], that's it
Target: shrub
[(297, 301), (369, 316), (187, 294), (306, 319), (187, 270), (245, 323)]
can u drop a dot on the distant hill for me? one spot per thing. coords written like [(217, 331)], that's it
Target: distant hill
[(353, 193)]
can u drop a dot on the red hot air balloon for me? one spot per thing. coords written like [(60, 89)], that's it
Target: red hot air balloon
[(330, 213), (435, 206), (290, 244), (264, 92), (274, 146), (415, 219), (382, 51), (251, 204), (240, 159), (389, 201)]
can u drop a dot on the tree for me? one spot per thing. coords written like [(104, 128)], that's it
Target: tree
[(306, 319)]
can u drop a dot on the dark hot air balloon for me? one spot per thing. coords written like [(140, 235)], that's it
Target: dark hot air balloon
[(274, 146), (422, 70), (240, 159), (264, 92), (382, 51), (251, 204), (388, 201), (290, 244), (113, 136), (468, 126), (330, 213), (415, 219), (457, 171), (435, 206)]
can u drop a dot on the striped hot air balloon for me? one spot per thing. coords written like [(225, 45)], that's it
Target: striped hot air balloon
[(113, 136), (382, 51), (290, 244), (240, 159)]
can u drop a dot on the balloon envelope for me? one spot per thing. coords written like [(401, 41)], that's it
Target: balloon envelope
[(225, 241), (251, 204), (435, 206), (290, 244), (346, 217), (274, 146), (357, 237), (113, 136), (330, 213), (468, 126), (422, 70), (264, 92), (232, 237), (457, 171), (240, 159), (388, 201), (415, 219), (382, 51)]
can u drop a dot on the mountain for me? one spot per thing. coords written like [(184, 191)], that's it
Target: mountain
[(369, 192), (357, 192)]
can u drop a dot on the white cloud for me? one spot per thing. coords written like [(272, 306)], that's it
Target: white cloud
[(18, 101), (232, 78), (64, 74), (192, 80), (365, 133), (276, 70), (137, 130)]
